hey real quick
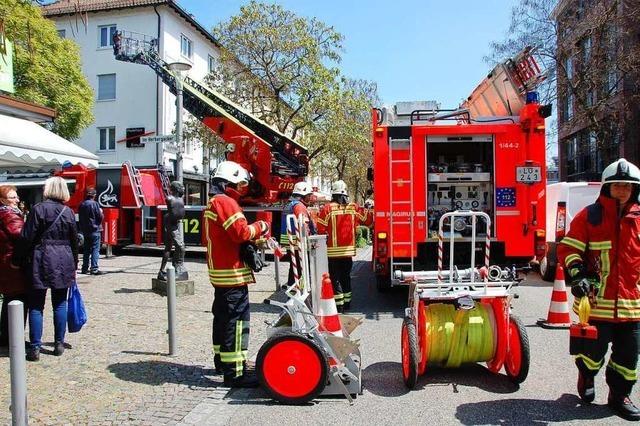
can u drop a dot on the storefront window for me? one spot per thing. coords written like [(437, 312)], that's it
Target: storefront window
[(193, 194)]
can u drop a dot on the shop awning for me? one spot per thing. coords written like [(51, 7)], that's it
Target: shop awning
[(27, 144)]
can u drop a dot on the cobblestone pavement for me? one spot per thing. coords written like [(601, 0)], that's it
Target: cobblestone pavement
[(117, 370)]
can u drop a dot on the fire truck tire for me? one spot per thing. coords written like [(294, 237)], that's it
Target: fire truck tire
[(383, 283), (410, 354), (548, 264), (292, 368), (423, 343), (516, 364)]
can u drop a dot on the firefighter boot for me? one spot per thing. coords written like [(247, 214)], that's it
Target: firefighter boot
[(247, 380), (623, 407), (217, 364), (586, 388)]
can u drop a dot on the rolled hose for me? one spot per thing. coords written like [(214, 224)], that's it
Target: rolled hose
[(584, 310), (460, 336)]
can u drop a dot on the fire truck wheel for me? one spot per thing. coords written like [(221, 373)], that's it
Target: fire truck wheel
[(548, 264), (292, 368), (383, 283), (422, 338), (409, 353), (516, 363)]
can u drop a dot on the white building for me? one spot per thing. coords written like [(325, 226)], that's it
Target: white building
[(130, 99)]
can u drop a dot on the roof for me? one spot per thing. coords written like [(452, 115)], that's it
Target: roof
[(23, 109), (70, 7)]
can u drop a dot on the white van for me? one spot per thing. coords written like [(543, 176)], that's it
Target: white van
[(564, 201)]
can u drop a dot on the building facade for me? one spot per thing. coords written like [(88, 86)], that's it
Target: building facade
[(130, 99), (597, 84)]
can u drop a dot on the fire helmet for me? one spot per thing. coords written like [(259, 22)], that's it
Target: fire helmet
[(339, 188), (302, 188), (621, 171), (232, 172)]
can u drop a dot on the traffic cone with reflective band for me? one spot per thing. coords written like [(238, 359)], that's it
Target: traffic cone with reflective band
[(327, 310), (558, 316)]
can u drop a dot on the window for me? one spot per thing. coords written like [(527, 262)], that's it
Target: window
[(62, 33), (568, 107), (186, 47), (586, 50), (106, 87), (590, 98), (105, 35), (107, 138), (212, 63), (568, 66)]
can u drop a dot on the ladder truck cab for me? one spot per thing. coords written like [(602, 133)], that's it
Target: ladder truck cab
[(275, 161), (487, 156)]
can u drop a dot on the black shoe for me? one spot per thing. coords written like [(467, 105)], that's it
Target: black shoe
[(247, 380), (84, 272), (58, 348), (347, 306), (340, 309), (33, 354), (97, 272), (586, 389), (623, 407)]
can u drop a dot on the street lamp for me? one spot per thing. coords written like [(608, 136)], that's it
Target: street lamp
[(177, 68)]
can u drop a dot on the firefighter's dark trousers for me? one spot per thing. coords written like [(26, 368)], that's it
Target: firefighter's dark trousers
[(231, 329), (340, 272), (622, 368)]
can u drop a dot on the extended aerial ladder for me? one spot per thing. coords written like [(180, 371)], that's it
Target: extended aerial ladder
[(276, 161)]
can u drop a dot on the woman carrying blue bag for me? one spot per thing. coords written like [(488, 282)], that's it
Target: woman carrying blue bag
[(50, 245)]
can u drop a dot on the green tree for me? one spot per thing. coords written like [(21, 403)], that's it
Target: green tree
[(47, 68)]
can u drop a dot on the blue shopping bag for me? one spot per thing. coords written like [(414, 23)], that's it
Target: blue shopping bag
[(76, 314)]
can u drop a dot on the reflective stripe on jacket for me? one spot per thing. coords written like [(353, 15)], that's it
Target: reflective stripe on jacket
[(610, 250), (339, 223), (226, 229), (296, 208)]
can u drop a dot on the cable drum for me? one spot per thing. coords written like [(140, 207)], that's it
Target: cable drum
[(459, 336)]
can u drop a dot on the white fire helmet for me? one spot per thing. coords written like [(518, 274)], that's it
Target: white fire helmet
[(232, 172), (339, 188), (302, 188), (621, 171)]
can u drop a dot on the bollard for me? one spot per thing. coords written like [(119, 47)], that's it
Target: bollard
[(109, 251), (17, 364), (276, 263), (171, 308)]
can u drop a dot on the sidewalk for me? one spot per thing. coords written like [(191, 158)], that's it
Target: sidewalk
[(118, 370)]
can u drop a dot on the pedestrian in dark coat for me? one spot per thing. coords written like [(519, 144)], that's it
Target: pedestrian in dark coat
[(50, 242), (90, 217), (13, 282)]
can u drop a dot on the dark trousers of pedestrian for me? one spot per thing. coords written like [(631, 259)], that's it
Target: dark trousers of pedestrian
[(621, 373), (290, 278), (340, 272), (4, 315), (36, 300), (231, 329), (91, 251)]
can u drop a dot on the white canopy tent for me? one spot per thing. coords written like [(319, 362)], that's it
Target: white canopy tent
[(24, 144)]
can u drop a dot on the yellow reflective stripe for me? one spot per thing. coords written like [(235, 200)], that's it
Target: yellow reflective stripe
[(228, 272), (227, 223), (209, 247), (347, 297), (629, 303), (341, 251), (572, 257), (605, 268), (600, 245), (252, 232), (322, 222), (628, 314), (233, 356), (572, 242), (589, 363), (605, 303), (338, 296), (216, 349), (625, 372), (208, 214)]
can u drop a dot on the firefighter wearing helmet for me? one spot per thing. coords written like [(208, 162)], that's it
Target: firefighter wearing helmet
[(227, 230), (601, 253), (297, 205), (339, 220)]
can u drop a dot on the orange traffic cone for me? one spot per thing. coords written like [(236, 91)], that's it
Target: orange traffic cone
[(558, 316), (327, 310)]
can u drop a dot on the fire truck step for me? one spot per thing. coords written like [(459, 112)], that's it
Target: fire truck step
[(402, 264), (401, 202), (401, 243), (401, 222), (400, 161)]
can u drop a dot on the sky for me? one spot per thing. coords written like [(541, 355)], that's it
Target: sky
[(414, 50)]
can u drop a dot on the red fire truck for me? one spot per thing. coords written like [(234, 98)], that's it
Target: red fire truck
[(488, 155)]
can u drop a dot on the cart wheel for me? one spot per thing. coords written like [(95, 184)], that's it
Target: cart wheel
[(516, 363), (423, 344), (409, 353), (292, 368)]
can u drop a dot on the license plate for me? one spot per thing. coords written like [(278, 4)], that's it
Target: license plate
[(528, 174)]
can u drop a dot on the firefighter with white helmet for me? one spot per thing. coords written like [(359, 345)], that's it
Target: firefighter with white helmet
[(297, 205), (227, 233), (601, 253), (339, 220)]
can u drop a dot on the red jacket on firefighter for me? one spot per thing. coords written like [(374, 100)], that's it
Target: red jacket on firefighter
[(610, 250), (339, 223)]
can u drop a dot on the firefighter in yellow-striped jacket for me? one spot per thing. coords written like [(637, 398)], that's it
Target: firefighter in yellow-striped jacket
[(601, 253), (339, 220), (227, 230)]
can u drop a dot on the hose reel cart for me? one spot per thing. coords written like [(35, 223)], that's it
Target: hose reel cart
[(302, 359), (460, 316)]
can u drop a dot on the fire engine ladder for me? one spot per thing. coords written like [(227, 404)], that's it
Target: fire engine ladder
[(136, 183), (400, 203), (164, 180)]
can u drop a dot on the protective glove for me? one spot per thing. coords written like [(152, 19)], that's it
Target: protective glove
[(581, 288), (577, 272), (264, 227)]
